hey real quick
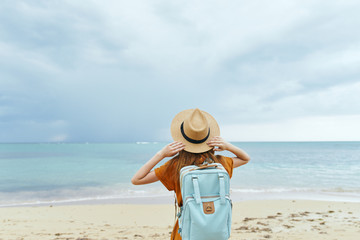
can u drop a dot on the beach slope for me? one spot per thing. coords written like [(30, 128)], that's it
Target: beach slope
[(270, 219)]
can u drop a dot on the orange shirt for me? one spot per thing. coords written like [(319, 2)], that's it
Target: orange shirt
[(166, 173)]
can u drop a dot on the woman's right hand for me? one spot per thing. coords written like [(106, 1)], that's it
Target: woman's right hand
[(172, 149), (218, 144)]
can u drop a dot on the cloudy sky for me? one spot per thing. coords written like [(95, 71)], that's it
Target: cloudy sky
[(111, 71)]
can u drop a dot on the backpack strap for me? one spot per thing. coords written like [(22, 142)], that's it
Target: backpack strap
[(222, 188), (196, 189), (204, 166)]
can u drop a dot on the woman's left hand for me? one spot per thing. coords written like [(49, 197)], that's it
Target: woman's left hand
[(172, 149)]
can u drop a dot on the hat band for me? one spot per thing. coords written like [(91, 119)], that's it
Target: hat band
[(190, 139)]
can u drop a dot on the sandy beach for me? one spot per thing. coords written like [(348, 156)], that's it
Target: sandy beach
[(262, 219)]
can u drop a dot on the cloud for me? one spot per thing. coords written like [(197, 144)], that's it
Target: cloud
[(58, 138), (338, 99), (329, 128), (39, 130), (120, 70)]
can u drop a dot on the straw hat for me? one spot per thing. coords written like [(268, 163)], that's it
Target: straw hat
[(194, 128)]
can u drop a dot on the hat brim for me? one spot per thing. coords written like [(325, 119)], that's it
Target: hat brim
[(193, 147)]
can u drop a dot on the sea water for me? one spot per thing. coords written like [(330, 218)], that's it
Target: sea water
[(69, 173)]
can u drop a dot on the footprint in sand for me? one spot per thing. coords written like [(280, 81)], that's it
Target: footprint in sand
[(263, 224), (155, 235), (304, 213), (265, 230), (248, 219), (242, 228), (288, 226)]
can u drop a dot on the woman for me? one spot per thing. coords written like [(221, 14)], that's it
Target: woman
[(197, 137)]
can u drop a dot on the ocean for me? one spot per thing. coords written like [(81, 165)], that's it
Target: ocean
[(73, 173)]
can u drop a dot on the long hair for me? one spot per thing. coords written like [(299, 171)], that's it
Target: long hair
[(185, 158)]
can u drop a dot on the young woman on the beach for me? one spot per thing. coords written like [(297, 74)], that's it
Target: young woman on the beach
[(196, 134)]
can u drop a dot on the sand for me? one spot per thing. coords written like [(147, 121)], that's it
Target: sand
[(261, 219)]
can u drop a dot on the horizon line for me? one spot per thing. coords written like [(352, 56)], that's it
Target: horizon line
[(146, 142)]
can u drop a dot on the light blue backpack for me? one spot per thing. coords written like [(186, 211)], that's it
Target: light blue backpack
[(206, 210)]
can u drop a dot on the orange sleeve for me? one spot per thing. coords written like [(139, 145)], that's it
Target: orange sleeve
[(165, 174), (228, 164)]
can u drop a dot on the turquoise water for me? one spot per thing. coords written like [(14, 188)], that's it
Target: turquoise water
[(47, 173)]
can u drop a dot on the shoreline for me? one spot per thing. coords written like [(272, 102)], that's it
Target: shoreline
[(168, 198), (255, 219)]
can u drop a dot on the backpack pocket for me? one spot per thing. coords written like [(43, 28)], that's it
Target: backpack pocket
[(208, 220)]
